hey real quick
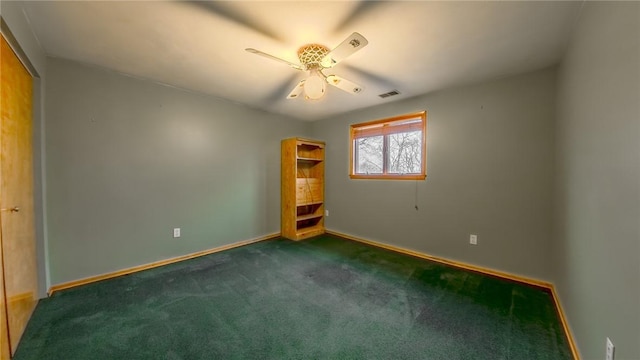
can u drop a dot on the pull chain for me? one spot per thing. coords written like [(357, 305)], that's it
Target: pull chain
[(416, 198)]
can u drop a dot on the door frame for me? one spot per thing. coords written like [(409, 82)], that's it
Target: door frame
[(39, 188)]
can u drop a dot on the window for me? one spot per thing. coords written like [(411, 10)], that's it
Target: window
[(393, 148)]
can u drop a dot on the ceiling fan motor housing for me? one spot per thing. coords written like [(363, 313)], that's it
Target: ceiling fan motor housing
[(311, 55)]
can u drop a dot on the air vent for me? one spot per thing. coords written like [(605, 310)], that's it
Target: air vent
[(390, 93)]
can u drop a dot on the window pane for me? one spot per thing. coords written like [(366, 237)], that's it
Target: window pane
[(368, 155), (405, 152)]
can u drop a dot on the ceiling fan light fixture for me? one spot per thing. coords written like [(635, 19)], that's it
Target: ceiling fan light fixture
[(314, 85), (315, 58)]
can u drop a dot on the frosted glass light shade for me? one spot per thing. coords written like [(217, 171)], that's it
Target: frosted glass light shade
[(314, 86)]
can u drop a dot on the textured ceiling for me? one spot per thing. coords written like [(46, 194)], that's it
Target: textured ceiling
[(414, 47)]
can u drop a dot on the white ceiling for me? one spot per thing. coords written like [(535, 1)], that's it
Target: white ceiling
[(414, 47)]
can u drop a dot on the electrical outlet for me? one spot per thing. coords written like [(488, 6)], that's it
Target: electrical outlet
[(611, 350), (473, 239), (176, 232), (326, 213)]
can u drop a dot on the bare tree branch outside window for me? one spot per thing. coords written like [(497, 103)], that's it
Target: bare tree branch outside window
[(370, 158), (405, 152)]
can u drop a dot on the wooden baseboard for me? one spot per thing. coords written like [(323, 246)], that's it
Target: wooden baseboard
[(155, 264), (457, 264), (539, 283), (565, 324)]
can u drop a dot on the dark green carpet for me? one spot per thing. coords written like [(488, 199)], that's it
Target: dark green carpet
[(324, 298)]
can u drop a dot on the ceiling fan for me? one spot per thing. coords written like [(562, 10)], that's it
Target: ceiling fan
[(315, 58)]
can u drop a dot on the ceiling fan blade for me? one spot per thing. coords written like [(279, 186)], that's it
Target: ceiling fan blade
[(346, 48), (358, 13), (296, 90), (231, 13), (258, 52), (370, 77), (344, 84)]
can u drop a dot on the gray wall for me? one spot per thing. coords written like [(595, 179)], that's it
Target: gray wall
[(597, 219), (128, 160), (17, 30), (489, 172)]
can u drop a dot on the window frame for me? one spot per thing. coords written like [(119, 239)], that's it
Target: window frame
[(380, 127)]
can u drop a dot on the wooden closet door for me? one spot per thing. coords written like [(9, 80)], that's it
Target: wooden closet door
[(16, 196)]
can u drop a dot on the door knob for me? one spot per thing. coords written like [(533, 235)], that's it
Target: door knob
[(13, 209)]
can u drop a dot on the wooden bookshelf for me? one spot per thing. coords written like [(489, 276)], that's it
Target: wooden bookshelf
[(302, 188)]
